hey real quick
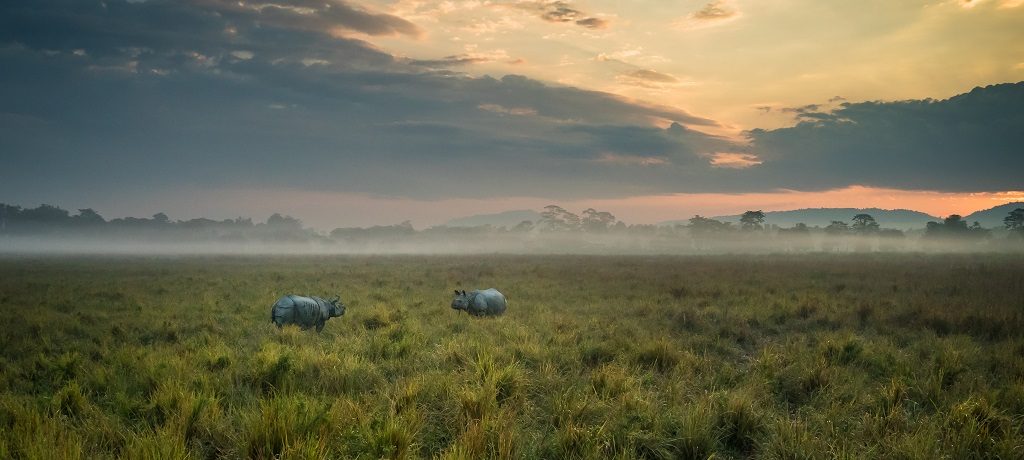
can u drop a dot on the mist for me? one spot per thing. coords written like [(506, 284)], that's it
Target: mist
[(51, 230), (662, 241)]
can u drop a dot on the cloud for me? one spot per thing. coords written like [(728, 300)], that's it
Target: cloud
[(734, 160), (163, 34), (631, 160), (712, 14), (116, 99), (632, 54), (453, 60), (562, 12), (651, 75), (323, 16), (805, 109), (970, 142), (210, 94), (593, 23), (714, 11), (496, 108), (647, 78), (1002, 4), (467, 59)]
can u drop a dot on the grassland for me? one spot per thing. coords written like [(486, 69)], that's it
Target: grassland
[(814, 356)]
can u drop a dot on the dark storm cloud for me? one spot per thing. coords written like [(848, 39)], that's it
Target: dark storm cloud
[(109, 97), (970, 142), (680, 145), (564, 12), (106, 98), (175, 34)]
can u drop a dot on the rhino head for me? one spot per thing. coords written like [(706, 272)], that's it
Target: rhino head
[(461, 301), (337, 308)]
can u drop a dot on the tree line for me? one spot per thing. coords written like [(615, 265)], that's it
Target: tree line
[(49, 220)]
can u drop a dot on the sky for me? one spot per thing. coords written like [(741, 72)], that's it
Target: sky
[(347, 113)]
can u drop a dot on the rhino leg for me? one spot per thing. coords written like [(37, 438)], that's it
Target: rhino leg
[(320, 326)]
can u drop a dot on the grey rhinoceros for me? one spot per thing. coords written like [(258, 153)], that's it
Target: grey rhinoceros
[(305, 311), (488, 302)]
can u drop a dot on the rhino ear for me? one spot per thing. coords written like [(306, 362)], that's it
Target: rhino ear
[(456, 292), (463, 292)]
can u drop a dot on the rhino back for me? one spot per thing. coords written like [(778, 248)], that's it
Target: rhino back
[(301, 310), (491, 300)]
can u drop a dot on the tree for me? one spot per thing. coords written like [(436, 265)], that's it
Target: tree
[(955, 223), (556, 218), (752, 220), (88, 216), (799, 229), (46, 214), (703, 226), (1014, 222), (7, 212), (161, 218), (596, 221), (523, 227), (890, 239), (890, 233), (284, 222), (954, 226), (864, 224), (977, 231), (837, 227)]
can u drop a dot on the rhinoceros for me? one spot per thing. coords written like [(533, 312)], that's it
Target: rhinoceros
[(305, 311), (488, 302)]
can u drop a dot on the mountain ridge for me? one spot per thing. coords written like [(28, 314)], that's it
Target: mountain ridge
[(904, 219), (993, 217)]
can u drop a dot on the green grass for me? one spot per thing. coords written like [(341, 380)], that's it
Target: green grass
[(813, 356)]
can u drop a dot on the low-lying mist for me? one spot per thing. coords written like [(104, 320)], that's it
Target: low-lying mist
[(52, 230), (658, 242)]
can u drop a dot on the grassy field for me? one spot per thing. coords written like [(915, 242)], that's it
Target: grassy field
[(815, 356)]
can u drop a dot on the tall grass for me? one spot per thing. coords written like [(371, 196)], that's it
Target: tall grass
[(811, 356)]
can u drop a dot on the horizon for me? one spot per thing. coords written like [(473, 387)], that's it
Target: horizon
[(305, 224), (372, 112)]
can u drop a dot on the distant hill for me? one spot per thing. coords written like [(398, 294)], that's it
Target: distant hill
[(992, 217), (903, 219), (501, 219)]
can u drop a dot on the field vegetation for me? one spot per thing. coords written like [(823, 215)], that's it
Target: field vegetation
[(800, 356)]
